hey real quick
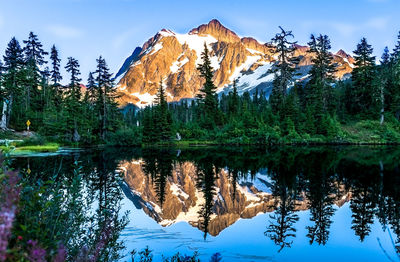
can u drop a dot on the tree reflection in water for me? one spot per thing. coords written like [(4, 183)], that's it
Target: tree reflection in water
[(300, 178)]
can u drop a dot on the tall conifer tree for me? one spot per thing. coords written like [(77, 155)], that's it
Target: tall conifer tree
[(73, 104), (34, 59), (105, 104), (283, 69), (207, 96), (363, 94), (12, 80)]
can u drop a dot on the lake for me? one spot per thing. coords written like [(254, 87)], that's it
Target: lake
[(248, 204)]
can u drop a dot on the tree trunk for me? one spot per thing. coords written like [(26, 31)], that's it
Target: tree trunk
[(104, 114), (10, 103), (3, 123), (76, 136)]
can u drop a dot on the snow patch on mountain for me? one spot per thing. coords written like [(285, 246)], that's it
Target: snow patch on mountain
[(244, 67), (178, 64), (145, 99), (156, 48), (255, 78), (196, 43)]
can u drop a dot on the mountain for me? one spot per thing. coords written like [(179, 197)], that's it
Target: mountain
[(173, 58)]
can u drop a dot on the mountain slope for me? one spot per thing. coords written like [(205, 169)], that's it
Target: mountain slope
[(173, 58)]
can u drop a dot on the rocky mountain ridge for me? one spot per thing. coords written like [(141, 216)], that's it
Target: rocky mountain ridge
[(172, 59)]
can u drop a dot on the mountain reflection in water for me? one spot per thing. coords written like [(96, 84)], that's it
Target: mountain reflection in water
[(301, 194)]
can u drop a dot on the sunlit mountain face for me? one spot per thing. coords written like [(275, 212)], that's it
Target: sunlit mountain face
[(172, 59), (256, 204)]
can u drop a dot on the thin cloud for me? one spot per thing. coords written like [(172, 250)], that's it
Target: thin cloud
[(344, 29), (348, 29), (1, 21), (120, 40), (378, 22), (63, 31)]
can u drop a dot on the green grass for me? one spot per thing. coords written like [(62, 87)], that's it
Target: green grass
[(46, 148), (182, 143)]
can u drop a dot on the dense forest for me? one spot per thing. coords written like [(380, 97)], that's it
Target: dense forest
[(66, 113), (363, 108)]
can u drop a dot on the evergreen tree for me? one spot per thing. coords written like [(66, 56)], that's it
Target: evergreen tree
[(207, 96), (149, 131), (92, 89), (283, 69), (385, 82), (73, 104), (233, 104), (106, 105), (395, 56), (363, 93), (163, 116), (322, 71), (55, 74), (319, 93), (34, 59), (13, 79), (394, 92)]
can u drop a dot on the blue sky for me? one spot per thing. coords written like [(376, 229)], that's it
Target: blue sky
[(86, 29)]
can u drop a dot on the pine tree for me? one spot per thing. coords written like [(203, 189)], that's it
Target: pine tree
[(395, 56), (106, 105), (12, 79), (73, 104), (394, 92), (385, 81), (55, 74), (149, 130), (163, 116), (207, 96), (363, 93), (34, 59), (319, 94), (92, 89), (322, 71), (233, 104), (283, 69)]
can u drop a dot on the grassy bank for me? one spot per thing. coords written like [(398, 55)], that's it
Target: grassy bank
[(30, 149), (364, 132)]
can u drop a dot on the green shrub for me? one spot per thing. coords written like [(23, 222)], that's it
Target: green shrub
[(33, 141), (125, 137)]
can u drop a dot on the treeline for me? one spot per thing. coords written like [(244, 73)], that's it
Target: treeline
[(362, 108), (32, 90)]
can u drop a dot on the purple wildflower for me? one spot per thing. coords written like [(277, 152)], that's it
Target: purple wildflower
[(61, 254), (8, 207), (36, 253)]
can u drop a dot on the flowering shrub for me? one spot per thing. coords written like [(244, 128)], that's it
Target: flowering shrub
[(9, 197)]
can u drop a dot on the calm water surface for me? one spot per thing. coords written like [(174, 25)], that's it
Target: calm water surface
[(249, 204)]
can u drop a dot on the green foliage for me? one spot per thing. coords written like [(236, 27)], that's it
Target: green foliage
[(66, 114), (125, 137)]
